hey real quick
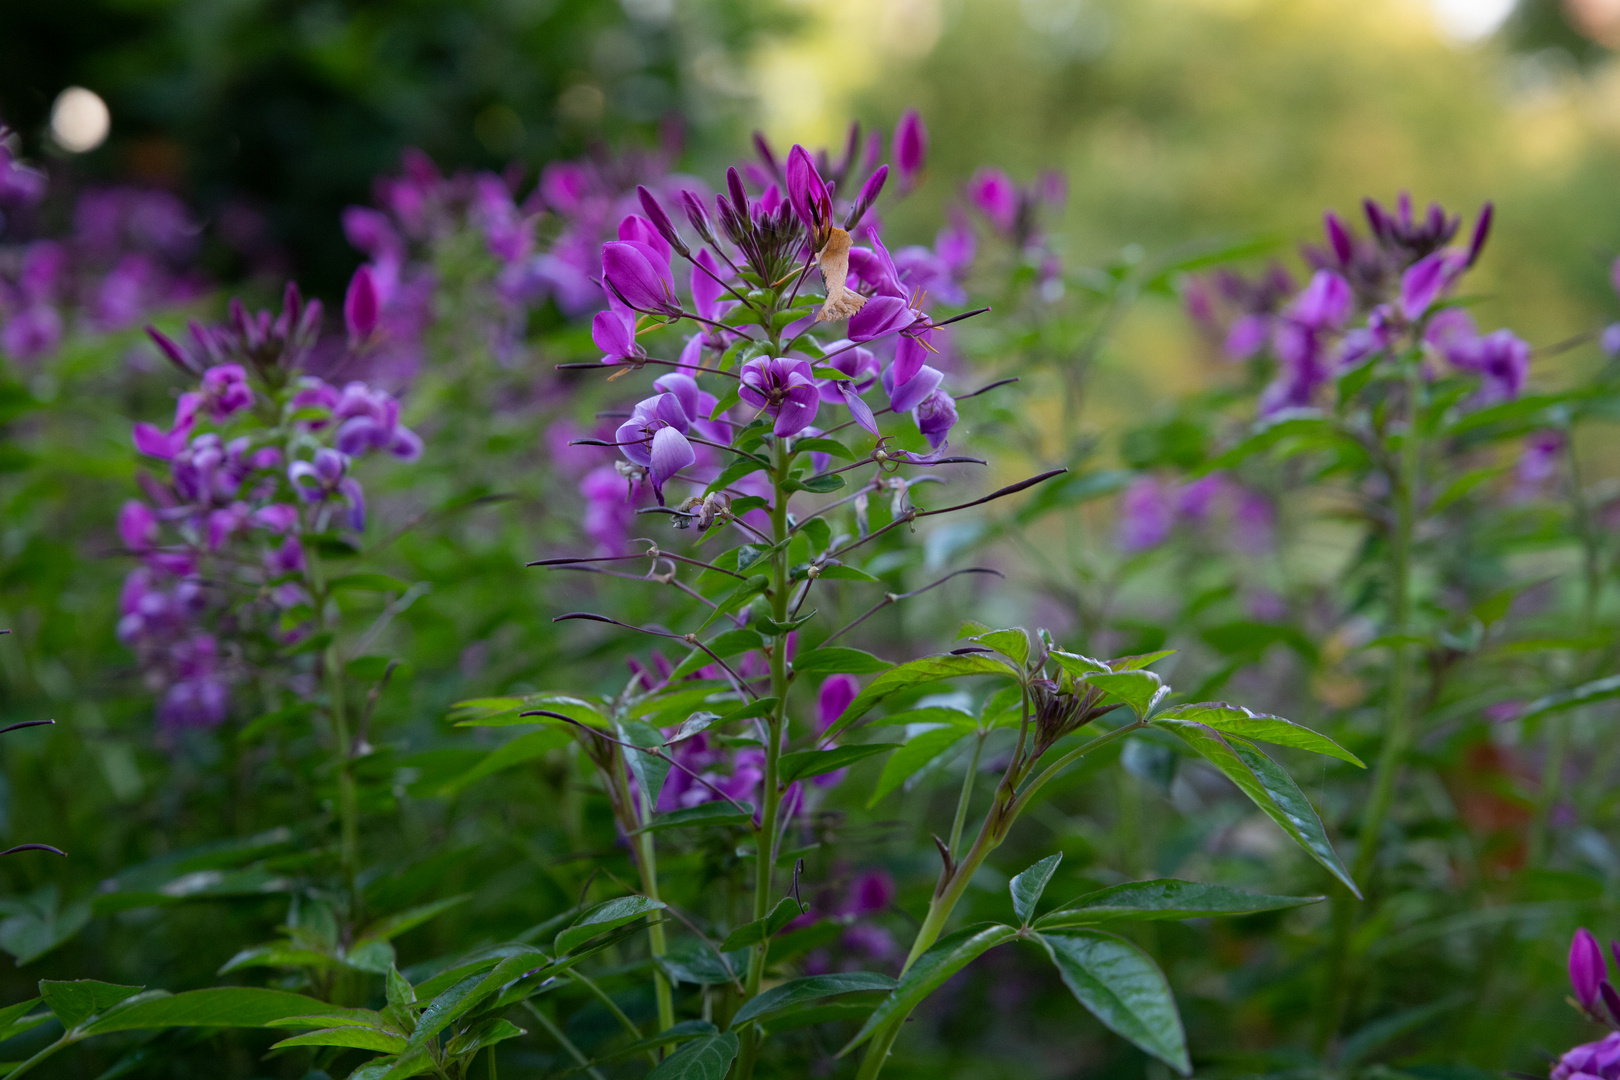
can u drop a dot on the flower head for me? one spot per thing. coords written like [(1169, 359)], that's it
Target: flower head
[(910, 148), (784, 388), (655, 438)]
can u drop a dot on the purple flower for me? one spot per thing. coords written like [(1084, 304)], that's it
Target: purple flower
[(614, 332), (882, 316), (137, 526), (33, 332), (277, 517), (361, 306), (1146, 515), (368, 419), (609, 508), (907, 395), (807, 192), (910, 148), (639, 230), (858, 363), (225, 391), (1423, 282), (655, 438), (1587, 969), (935, 415), (993, 192), (1502, 360), (637, 276), (697, 403), (784, 388), (1591, 1061), (326, 480), (1324, 304)]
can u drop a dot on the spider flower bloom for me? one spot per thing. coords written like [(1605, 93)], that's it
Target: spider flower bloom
[(655, 438), (1591, 1061), (1502, 360), (1146, 515), (635, 274), (783, 387), (1423, 283), (326, 480), (362, 306), (225, 391), (1586, 969), (910, 148)]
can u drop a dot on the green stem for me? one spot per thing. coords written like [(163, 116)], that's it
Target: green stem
[(1009, 803), (42, 1054), (967, 794), (564, 1041), (342, 749), (612, 1007), (766, 838), (1397, 733)]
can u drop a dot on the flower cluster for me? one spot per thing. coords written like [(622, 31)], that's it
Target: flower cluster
[(776, 222), (1150, 508), (257, 460), (129, 254), (1367, 296)]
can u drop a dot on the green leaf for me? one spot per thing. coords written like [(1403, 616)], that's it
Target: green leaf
[(506, 711), (1011, 643), (333, 1017), (685, 1031), (1165, 898), (712, 814), (707, 1058), (1270, 788), (738, 469), (375, 957), (73, 1002), (949, 955), (649, 769), (486, 1034), (1121, 986), (519, 751), (762, 930), (739, 596), (811, 988), (1027, 887), (804, 764), (355, 1038), (916, 673), (835, 659), (1141, 690), (1236, 720), (819, 484), (1079, 666), (840, 572), (604, 917), (277, 954), (910, 758), (221, 1006), (824, 446), (14, 1019), (1136, 663), (693, 962), (1585, 694)]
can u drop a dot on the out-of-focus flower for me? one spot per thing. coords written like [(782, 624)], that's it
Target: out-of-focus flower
[(1146, 515), (910, 151), (361, 306), (996, 197), (326, 480)]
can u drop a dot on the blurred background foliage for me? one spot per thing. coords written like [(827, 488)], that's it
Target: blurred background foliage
[(1176, 122)]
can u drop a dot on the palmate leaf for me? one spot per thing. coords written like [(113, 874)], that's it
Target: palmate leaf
[(916, 673), (1140, 690), (836, 659), (1026, 888), (1013, 643), (706, 1058), (948, 955), (810, 988), (1270, 788), (1236, 720), (1162, 899), (1121, 986)]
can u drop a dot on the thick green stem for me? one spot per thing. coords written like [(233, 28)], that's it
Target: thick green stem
[(1397, 733)]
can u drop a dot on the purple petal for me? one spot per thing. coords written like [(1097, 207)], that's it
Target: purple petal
[(859, 411), (670, 454), (1422, 283)]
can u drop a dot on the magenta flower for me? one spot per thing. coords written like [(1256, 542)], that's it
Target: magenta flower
[(858, 363), (635, 274), (33, 332), (137, 526), (225, 391), (368, 419), (910, 148), (609, 510), (784, 388), (1501, 359), (1324, 304), (994, 193), (655, 438), (361, 306)]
